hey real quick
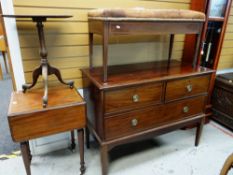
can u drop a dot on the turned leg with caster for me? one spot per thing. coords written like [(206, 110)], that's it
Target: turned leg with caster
[(26, 156), (199, 131), (81, 150)]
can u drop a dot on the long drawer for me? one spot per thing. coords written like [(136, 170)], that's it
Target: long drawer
[(177, 89), (117, 100), (138, 120)]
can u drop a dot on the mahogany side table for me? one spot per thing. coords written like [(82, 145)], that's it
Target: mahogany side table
[(29, 120), (44, 69)]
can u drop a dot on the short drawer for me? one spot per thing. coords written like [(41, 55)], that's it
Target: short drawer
[(186, 87), (139, 120), (131, 97)]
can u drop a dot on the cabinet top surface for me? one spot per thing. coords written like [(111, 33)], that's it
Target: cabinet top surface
[(133, 74), (31, 101)]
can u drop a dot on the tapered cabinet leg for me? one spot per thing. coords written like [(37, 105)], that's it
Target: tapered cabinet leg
[(199, 131), (26, 157), (87, 134), (104, 159), (81, 150)]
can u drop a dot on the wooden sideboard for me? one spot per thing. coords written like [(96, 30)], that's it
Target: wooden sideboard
[(143, 100)]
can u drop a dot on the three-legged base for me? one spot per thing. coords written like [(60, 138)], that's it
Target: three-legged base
[(45, 70)]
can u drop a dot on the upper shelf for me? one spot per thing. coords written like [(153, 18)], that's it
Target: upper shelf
[(215, 19), (145, 21)]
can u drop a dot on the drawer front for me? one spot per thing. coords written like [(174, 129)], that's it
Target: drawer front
[(139, 120), (186, 87), (131, 97), (152, 27), (31, 126)]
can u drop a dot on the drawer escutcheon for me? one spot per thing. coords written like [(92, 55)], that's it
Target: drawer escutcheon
[(189, 88)]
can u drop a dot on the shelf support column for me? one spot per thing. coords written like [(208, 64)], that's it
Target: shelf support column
[(197, 50), (170, 49), (105, 51)]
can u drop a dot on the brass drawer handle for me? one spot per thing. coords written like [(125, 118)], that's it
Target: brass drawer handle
[(134, 122), (135, 98), (118, 27), (186, 109), (189, 88)]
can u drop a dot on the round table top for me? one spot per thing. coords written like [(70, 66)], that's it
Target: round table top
[(37, 16)]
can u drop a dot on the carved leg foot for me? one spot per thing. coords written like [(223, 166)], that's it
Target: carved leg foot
[(199, 131), (81, 150), (56, 72), (35, 75), (26, 157)]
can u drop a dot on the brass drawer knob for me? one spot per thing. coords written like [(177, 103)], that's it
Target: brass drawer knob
[(135, 98), (186, 109), (134, 122), (118, 26), (189, 88)]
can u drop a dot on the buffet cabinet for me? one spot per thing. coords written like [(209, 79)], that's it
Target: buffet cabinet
[(133, 106)]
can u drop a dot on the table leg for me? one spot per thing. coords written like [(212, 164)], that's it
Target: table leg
[(56, 72), (5, 61), (81, 150), (29, 151), (26, 156), (87, 134), (45, 79), (104, 159), (35, 75), (73, 145), (1, 74), (199, 131)]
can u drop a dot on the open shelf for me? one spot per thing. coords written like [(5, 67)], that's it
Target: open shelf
[(132, 74)]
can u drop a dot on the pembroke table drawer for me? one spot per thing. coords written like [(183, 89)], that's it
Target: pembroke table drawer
[(139, 120)]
